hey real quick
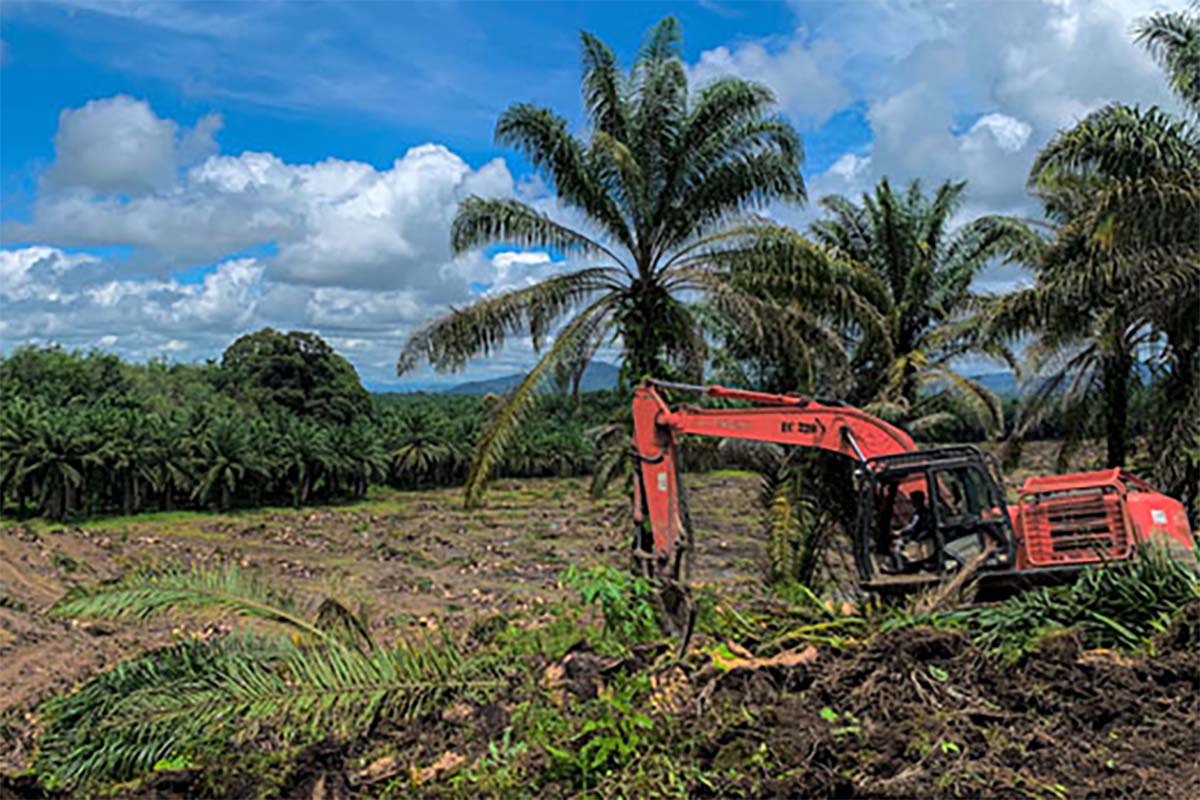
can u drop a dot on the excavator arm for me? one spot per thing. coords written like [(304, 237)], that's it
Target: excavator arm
[(782, 419)]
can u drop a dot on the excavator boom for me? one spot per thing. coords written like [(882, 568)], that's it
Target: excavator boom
[(782, 419)]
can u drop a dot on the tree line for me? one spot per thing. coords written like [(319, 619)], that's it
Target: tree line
[(281, 419)]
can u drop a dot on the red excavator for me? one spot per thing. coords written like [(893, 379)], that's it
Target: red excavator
[(922, 515)]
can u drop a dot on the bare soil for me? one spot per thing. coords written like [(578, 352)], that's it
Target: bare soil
[(414, 560), (921, 713)]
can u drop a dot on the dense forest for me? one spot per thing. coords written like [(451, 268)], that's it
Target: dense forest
[(280, 419)]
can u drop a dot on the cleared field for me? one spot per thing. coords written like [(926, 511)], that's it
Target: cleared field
[(413, 560), (762, 703)]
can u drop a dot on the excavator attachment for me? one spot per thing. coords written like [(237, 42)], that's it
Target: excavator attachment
[(663, 545)]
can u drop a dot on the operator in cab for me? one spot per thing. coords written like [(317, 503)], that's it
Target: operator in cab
[(915, 530)]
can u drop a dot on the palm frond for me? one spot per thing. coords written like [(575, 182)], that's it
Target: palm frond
[(1173, 38), (482, 221), (603, 89), (482, 327), (543, 137), (201, 698), (504, 422), (987, 405), (146, 594), (1119, 142)]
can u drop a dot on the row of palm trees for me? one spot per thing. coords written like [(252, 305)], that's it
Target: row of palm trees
[(874, 303), (118, 457)]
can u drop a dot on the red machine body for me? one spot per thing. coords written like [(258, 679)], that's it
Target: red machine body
[(1061, 523), (1086, 517)]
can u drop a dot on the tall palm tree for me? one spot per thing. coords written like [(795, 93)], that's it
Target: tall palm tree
[(926, 269), (304, 451), (1130, 246), (62, 449), (663, 185), (1082, 354), (417, 445), (170, 458)]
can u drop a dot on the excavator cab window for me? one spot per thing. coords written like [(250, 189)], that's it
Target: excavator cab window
[(927, 514), (903, 540), (964, 507)]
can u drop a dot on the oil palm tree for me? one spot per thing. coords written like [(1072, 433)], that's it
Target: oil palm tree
[(1130, 248), (417, 446), (19, 423), (663, 186), (62, 449), (926, 268), (1082, 352), (303, 448), (229, 454), (170, 458)]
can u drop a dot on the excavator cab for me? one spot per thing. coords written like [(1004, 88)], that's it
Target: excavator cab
[(925, 515)]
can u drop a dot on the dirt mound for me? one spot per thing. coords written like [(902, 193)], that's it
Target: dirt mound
[(924, 713)]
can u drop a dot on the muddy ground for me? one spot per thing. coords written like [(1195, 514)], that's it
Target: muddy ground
[(911, 713), (923, 713), (414, 560)]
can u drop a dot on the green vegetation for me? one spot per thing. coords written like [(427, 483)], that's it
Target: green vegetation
[(1125, 606), (193, 701), (281, 421), (667, 179), (588, 681), (576, 719), (1118, 280)]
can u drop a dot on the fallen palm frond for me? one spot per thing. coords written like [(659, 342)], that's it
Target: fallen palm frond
[(1119, 605), (198, 699), (195, 700), (146, 594)]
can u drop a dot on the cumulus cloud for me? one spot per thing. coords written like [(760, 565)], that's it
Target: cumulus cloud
[(358, 253), (333, 223), (118, 145), (35, 273), (804, 75), (973, 90)]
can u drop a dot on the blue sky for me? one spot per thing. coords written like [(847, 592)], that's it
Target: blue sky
[(172, 175)]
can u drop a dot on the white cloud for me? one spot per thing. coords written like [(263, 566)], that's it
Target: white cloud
[(1009, 133), (513, 269), (118, 145), (849, 166), (805, 76), (35, 273), (1016, 72), (334, 223)]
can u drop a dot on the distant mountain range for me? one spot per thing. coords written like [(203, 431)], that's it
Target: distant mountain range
[(598, 376), (1001, 383)]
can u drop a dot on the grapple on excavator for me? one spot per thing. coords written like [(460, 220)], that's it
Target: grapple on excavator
[(1059, 525)]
